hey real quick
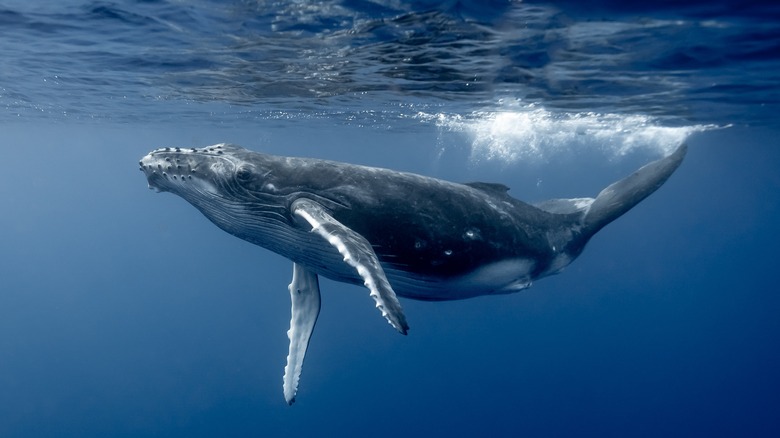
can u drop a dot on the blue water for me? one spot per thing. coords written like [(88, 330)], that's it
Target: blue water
[(126, 313)]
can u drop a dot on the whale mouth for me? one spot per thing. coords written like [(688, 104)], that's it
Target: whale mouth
[(162, 170), (175, 169)]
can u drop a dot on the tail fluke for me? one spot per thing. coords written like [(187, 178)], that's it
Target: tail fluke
[(623, 195), (586, 216)]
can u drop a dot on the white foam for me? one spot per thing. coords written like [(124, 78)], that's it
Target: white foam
[(529, 132)]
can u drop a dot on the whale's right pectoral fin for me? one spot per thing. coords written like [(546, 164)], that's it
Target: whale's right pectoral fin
[(357, 252)]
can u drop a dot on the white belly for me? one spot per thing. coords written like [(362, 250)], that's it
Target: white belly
[(506, 276)]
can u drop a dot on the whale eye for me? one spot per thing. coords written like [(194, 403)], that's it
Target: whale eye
[(244, 174)]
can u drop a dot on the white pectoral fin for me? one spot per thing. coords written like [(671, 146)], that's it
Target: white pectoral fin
[(357, 252), (305, 296)]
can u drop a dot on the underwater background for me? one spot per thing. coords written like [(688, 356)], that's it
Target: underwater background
[(126, 313)]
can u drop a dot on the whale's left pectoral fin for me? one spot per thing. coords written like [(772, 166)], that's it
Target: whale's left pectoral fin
[(357, 252), (305, 296)]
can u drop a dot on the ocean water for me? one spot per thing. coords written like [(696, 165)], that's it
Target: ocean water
[(126, 313)]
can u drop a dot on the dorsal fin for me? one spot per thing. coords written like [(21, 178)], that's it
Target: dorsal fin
[(492, 188)]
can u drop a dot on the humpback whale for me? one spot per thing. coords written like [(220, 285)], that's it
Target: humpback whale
[(396, 233)]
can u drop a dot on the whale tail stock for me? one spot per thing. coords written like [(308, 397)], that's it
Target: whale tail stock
[(616, 199)]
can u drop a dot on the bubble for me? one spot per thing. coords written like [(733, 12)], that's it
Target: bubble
[(528, 132)]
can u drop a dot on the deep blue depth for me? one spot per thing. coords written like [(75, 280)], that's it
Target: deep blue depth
[(126, 313)]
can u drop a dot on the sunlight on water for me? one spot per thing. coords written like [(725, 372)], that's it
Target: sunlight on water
[(534, 133)]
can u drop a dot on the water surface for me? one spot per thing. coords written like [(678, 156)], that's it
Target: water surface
[(126, 313)]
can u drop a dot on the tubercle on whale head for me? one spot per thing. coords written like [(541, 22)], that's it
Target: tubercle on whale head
[(227, 183), (171, 168)]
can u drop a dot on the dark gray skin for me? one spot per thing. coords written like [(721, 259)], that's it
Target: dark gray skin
[(436, 240), (396, 233)]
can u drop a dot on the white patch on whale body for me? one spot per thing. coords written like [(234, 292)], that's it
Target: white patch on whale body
[(582, 203), (502, 277)]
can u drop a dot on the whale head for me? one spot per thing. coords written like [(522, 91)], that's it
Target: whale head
[(223, 181)]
